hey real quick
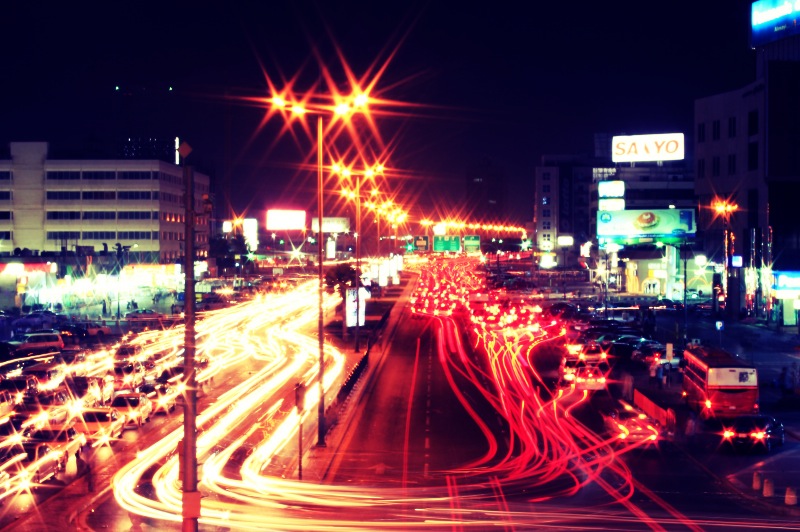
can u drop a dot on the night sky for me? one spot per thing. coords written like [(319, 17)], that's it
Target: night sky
[(492, 83)]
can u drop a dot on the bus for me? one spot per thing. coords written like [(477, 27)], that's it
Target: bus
[(717, 384)]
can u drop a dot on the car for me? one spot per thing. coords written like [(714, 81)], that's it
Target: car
[(62, 438), (643, 352), (144, 314), (44, 319), (10, 467), (39, 463), (38, 343), (97, 330), (590, 378), (85, 389), (656, 354), (71, 333), (20, 386), (163, 397), (754, 432), (101, 425), (135, 406), (128, 376), (50, 375), (626, 424)]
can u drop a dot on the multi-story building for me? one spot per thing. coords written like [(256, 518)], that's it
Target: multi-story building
[(82, 206), (746, 150)]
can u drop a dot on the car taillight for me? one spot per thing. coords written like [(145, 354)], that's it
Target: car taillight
[(758, 434), (728, 434), (708, 403)]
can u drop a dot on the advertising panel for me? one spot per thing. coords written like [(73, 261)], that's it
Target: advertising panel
[(643, 148), (351, 306), (285, 220), (611, 189), (771, 20), (640, 226), (331, 224)]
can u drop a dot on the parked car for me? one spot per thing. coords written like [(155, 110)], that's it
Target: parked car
[(135, 406), (102, 425), (71, 333), (754, 433), (96, 329), (626, 424), (62, 438), (144, 314)]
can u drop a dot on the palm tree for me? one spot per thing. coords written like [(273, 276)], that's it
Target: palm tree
[(339, 279)]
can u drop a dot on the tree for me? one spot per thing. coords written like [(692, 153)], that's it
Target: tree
[(339, 279)]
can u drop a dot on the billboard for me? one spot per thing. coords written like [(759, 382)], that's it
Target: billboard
[(331, 224), (640, 226), (771, 20), (285, 220), (642, 148), (611, 189)]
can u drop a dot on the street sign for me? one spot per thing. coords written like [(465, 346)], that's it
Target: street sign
[(420, 243), (445, 243), (472, 243)]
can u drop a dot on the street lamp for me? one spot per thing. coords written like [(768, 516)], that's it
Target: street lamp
[(358, 180), (725, 209), (341, 109), (564, 242)]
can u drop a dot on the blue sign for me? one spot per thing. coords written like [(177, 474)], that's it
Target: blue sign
[(771, 20)]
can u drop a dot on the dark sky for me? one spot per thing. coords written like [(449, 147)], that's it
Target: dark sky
[(497, 82)]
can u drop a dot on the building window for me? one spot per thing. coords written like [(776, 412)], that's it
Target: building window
[(5, 235), (701, 168), (99, 215), (545, 200), (63, 195), (546, 237), (134, 215), (715, 166), (546, 189), (731, 127), (752, 122), (63, 215), (99, 195), (701, 132), (752, 156), (732, 164), (98, 175), (5, 175), (99, 235), (546, 225), (5, 194), (63, 175), (138, 176), (545, 213), (134, 195), (63, 235), (6, 215), (715, 130), (134, 235)]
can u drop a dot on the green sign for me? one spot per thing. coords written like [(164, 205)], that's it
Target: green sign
[(472, 243), (446, 243), (420, 243)]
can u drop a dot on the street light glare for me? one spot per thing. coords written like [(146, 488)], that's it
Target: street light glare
[(361, 100), (277, 101), (298, 109), (342, 109)]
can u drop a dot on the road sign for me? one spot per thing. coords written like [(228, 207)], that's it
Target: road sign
[(472, 243), (420, 243), (445, 243)]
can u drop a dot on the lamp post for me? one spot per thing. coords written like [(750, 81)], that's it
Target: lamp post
[(341, 109), (725, 209), (358, 181)]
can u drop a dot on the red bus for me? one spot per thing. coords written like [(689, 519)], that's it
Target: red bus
[(719, 384)]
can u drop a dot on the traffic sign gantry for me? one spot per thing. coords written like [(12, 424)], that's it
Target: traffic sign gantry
[(445, 243), (472, 243)]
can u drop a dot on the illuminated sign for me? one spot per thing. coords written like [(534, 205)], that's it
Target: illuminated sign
[(331, 225), (442, 243), (771, 20), (227, 226), (611, 204), (420, 243), (611, 189), (737, 261), (787, 281), (641, 148), (285, 220), (472, 243), (250, 233), (639, 226)]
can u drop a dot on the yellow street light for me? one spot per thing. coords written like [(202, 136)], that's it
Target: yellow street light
[(725, 209)]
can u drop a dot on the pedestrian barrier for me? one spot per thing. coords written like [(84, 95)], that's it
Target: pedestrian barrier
[(769, 488), (756, 481), (791, 497)]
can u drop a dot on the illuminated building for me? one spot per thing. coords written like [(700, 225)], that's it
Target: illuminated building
[(83, 206), (746, 154)]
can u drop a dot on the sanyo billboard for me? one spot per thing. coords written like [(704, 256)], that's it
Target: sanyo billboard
[(642, 148)]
